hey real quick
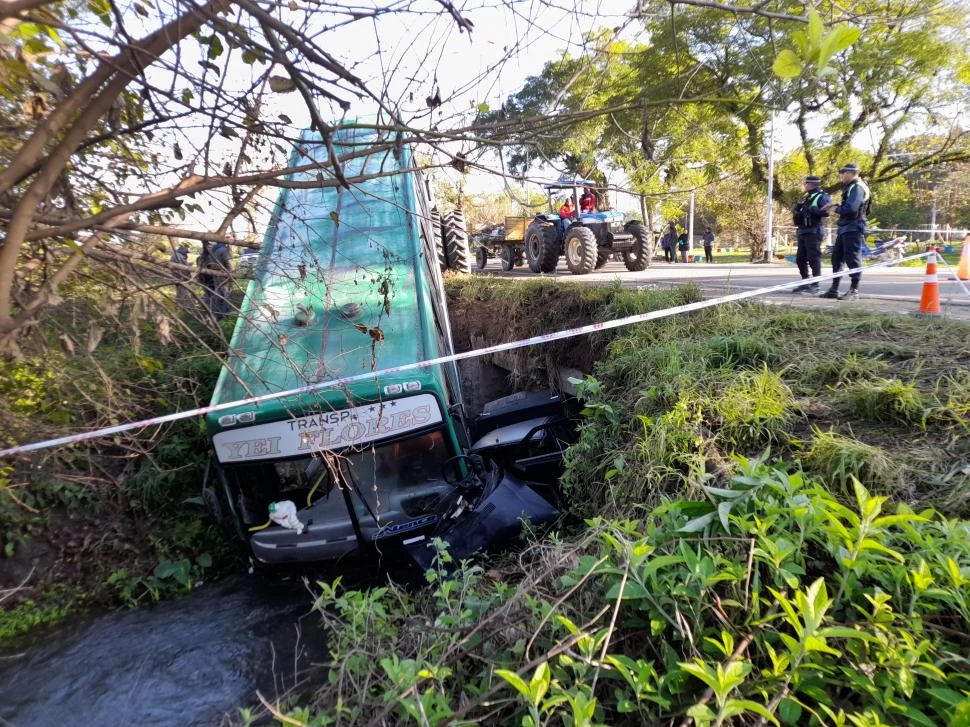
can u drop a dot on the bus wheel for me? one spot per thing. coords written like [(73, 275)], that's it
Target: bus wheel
[(456, 242)]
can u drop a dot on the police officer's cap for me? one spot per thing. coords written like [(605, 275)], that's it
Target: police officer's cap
[(850, 167), (812, 179)]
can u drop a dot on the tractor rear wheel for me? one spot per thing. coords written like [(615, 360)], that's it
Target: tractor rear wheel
[(541, 247), (581, 250), (508, 257), (438, 242), (456, 242), (640, 256)]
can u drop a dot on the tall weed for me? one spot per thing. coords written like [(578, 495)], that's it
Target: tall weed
[(837, 460), (755, 411), (887, 401)]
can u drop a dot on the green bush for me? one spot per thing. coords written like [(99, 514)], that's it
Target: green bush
[(887, 401), (741, 350), (755, 411), (838, 460), (766, 598)]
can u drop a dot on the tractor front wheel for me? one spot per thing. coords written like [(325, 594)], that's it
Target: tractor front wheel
[(481, 257), (581, 250), (639, 257), (541, 247)]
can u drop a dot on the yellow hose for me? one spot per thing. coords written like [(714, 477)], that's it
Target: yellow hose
[(314, 488), (261, 527)]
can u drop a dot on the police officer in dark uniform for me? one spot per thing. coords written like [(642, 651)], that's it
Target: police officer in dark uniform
[(856, 200), (808, 216)]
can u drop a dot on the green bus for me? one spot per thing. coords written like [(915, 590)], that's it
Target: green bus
[(348, 281)]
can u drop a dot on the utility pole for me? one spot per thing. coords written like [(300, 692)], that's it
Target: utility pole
[(769, 246), (690, 225)]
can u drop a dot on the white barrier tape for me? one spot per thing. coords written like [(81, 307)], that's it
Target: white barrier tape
[(545, 338), (955, 277)]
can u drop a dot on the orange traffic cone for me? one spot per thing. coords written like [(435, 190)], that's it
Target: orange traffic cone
[(963, 269), (929, 302)]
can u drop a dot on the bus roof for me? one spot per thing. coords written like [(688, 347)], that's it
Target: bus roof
[(340, 287)]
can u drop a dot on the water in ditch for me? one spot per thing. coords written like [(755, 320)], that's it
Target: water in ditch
[(190, 661)]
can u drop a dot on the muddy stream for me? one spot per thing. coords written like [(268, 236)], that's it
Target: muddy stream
[(190, 661)]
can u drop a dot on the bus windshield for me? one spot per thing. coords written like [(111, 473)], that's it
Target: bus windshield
[(388, 482)]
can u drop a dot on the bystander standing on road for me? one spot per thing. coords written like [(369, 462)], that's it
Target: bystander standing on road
[(180, 256), (708, 245), (669, 243), (683, 245), (222, 283), (206, 279)]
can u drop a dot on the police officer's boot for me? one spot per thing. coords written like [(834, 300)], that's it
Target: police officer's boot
[(832, 293)]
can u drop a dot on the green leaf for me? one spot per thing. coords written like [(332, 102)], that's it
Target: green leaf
[(837, 41), (698, 524), (815, 27), (873, 545), (845, 632), (703, 672), (515, 680), (813, 643), (739, 706), (789, 710), (723, 510), (483, 108), (787, 64), (204, 560), (540, 683), (655, 564), (164, 569), (701, 714), (631, 589), (955, 575), (949, 697), (801, 42), (215, 47)]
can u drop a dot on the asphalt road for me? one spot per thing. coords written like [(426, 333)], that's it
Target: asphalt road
[(890, 289)]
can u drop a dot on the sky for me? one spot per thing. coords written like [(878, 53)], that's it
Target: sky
[(414, 54)]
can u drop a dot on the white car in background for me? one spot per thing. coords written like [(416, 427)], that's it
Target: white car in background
[(246, 263)]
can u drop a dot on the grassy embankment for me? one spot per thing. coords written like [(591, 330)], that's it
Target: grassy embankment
[(773, 535), (115, 522)]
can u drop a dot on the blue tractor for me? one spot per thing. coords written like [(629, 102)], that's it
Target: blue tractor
[(588, 240)]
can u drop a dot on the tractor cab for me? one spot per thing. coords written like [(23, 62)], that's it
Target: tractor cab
[(588, 240), (604, 223)]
